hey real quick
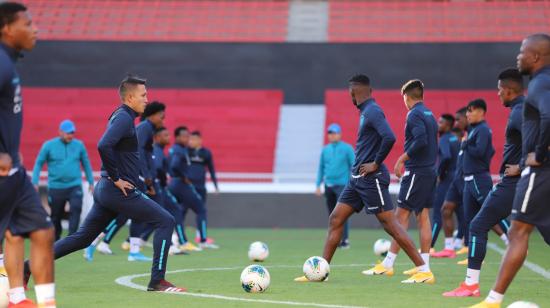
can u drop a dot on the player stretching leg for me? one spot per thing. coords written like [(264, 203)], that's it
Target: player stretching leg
[(368, 187), (419, 180), (530, 208), (116, 190), (498, 204)]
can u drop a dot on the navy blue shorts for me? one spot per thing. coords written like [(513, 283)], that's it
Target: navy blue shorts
[(417, 190), (454, 194), (531, 203), (497, 206), (21, 210), (370, 192)]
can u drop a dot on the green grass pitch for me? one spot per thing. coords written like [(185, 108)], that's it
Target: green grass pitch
[(216, 272)]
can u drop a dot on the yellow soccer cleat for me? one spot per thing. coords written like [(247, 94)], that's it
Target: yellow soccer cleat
[(411, 272), (462, 251), (301, 279), (189, 247), (3, 272), (378, 269), (463, 262), (485, 304), (304, 279), (125, 246), (421, 277)]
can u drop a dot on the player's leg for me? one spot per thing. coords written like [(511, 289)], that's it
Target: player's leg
[(13, 258), (30, 219), (497, 206), (193, 201), (139, 207), (56, 200), (440, 193), (461, 228), (402, 216), (75, 205), (337, 221)]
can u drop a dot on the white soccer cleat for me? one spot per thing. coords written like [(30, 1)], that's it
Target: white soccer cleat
[(104, 248)]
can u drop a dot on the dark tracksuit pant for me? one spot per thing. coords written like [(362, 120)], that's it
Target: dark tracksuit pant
[(188, 198), (476, 189), (332, 193), (57, 198), (496, 208), (110, 202), (169, 203), (440, 193)]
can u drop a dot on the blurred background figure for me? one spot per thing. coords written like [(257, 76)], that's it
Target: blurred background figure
[(64, 157), (201, 160), (337, 158)]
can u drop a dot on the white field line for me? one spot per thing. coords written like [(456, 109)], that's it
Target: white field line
[(532, 266)]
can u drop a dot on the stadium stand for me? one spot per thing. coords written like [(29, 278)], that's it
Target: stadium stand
[(436, 21), (219, 21), (240, 125)]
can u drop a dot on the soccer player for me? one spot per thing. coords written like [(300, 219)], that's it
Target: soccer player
[(447, 154), (416, 193), (64, 155), (201, 159), (21, 211), (368, 185), (453, 199), (530, 208), (170, 203), (335, 164), (152, 118), (116, 191), (498, 204), (478, 150), (182, 188)]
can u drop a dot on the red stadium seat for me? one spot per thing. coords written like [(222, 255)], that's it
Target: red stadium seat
[(239, 126), (436, 21), (148, 20)]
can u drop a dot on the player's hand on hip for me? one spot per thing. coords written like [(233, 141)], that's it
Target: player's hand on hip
[(91, 188), (123, 185), (365, 169), (531, 160), (151, 191), (398, 168)]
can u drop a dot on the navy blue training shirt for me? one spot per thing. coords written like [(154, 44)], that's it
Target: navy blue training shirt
[(179, 162), (161, 164), (145, 131), (536, 116), (447, 155), (11, 104), (478, 149), (201, 159), (420, 138), (512, 147), (374, 137), (118, 147)]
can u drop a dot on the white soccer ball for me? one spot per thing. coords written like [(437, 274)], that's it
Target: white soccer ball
[(255, 279), (316, 269), (258, 252), (523, 304), (4, 288), (381, 247)]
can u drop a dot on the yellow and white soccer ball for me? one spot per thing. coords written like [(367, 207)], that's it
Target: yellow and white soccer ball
[(523, 304), (381, 247), (258, 252), (316, 269), (255, 279)]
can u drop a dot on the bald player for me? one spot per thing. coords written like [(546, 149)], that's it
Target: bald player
[(531, 208)]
